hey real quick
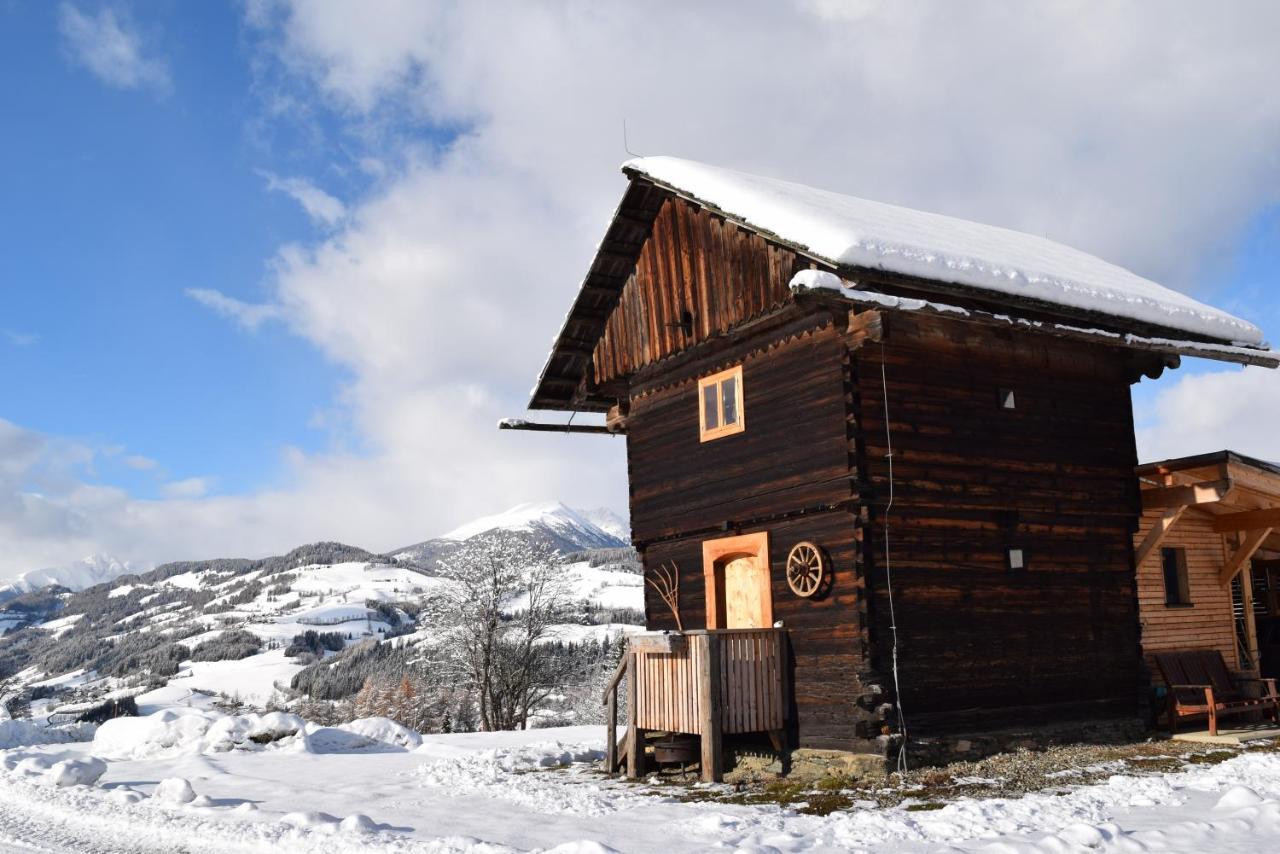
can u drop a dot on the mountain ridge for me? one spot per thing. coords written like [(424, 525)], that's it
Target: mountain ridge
[(87, 572)]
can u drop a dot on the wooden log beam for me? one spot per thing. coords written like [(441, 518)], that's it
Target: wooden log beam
[(1158, 532), (709, 705), (1205, 492), (1248, 520), (534, 427), (866, 325), (1242, 554), (635, 738)]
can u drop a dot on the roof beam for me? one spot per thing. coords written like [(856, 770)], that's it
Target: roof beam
[(1242, 554), (1158, 531), (1205, 492), (1248, 520), (534, 427)]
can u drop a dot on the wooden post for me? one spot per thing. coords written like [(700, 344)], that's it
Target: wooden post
[(709, 706), (635, 740), (611, 702), (611, 724), (1250, 627), (779, 737)]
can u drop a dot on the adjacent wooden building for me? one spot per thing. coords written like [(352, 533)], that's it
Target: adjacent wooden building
[(1208, 560), (899, 444)]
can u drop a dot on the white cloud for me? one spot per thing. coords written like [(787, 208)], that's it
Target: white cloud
[(111, 48), (139, 462), (318, 204), (1145, 136), (1229, 409), (192, 487), (248, 315)]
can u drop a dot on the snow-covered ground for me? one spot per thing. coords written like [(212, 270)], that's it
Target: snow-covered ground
[(195, 780)]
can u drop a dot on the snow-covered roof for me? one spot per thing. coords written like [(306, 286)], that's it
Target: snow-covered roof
[(856, 233), (821, 280)]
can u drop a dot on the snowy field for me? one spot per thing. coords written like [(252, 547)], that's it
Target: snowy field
[(193, 779)]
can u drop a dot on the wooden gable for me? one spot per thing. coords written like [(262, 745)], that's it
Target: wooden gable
[(669, 275), (697, 276)]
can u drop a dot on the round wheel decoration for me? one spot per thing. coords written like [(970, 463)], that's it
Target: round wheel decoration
[(806, 569)]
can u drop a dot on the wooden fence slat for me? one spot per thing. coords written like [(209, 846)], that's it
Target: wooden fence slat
[(750, 670)]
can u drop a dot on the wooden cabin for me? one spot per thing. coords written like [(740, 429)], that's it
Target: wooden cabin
[(881, 462), (1208, 560)]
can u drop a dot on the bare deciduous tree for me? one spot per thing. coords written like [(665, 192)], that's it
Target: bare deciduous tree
[(505, 594)]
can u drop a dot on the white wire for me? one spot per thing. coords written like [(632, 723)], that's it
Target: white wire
[(888, 571)]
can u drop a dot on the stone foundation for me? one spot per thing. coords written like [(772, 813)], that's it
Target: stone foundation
[(806, 765), (942, 750)]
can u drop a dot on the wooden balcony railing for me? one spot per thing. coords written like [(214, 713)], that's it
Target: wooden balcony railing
[(703, 683)]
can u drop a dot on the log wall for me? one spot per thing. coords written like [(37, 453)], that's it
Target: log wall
[(789, 473), (982, 644), (793, 454), (1209, 622)]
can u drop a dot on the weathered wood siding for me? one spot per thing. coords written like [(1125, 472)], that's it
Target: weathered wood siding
[(695, 262), (793, 454), (1209, 623), (826, 633), (980, 643), (789, 474)]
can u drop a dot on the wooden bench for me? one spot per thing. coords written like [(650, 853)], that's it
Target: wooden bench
[(1200, 684)]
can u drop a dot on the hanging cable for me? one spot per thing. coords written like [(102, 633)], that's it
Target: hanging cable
[(888, 570)]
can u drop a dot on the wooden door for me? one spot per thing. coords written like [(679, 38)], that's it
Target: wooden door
[(745, 586), (739, 594)]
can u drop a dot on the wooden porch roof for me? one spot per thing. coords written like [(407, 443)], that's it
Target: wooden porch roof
[(1241, 493)]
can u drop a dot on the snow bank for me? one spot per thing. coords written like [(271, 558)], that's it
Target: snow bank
[(179, 732), (174, 791), (76, 772), (853, 232), (239, 732), (193, 731), (502, 774), (30, 733), (66, 772), (363, 735)]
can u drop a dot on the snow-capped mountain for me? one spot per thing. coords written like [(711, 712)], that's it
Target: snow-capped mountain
[(574, 527), (557, 525), (79, 575), (609, 522)]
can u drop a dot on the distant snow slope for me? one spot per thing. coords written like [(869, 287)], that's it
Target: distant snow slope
[(80, 575), (115, 635)]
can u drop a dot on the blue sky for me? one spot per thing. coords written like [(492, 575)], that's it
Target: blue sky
[(272, 269), (118, 200)]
